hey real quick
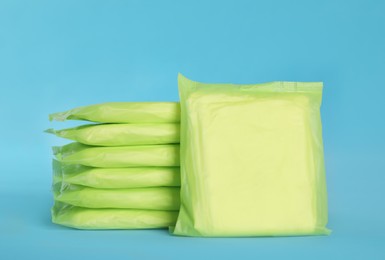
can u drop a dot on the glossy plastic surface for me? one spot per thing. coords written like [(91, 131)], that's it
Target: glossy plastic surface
[(87, 218), (251, 160), (155, 198), (124, 112), (115, 178), (121, 134), (117, 157)]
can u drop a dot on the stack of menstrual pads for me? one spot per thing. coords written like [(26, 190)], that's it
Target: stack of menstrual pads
[(122, 170)]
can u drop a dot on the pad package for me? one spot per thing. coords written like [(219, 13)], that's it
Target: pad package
[(251, 160)]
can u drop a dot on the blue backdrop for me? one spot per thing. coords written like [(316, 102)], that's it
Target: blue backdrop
[(56, 55)]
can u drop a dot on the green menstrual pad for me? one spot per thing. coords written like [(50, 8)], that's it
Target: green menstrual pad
[(124, 112), (115, 178), (121, 134), (86, 218), (251, 160), (155, 198), (118, 157)]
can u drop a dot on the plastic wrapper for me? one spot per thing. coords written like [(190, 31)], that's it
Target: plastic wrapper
[(154, 198), (123, 112), (121, 134), (251, 160), (87, 218), (115, 178), (118, 157)]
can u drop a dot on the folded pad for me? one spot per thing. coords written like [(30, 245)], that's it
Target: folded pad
[(251, 160), (121, 134), (156, 198), (116, 157), (115, 178), (124, 112), (85, 218)]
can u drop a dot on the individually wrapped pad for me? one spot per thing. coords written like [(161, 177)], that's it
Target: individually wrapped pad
[(124, 112), (86, 218), (117, 157), (156, 198), (121, 134), (251, 160), (115, 178)]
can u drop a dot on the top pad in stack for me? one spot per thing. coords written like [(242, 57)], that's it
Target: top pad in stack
[(124, 112)]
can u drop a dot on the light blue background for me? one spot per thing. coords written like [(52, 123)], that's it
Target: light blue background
[(56, 55)]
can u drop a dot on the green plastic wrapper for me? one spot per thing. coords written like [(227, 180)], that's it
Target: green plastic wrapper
[(121, 134), (251, 160), (123, 112), (86, 218), (115, 178), (154, 198), (118, 157)]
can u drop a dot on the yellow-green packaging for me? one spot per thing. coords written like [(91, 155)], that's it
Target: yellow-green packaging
[(87, 218), (123, 112), (251, 160), (122, 134), (118, 157), (115, 178), (154, 198)]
